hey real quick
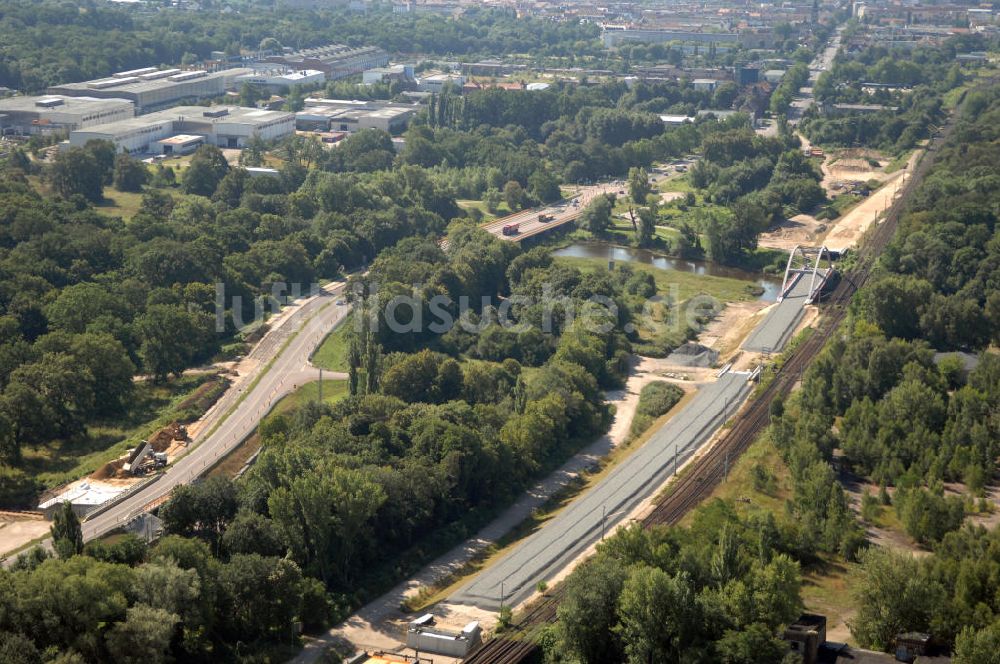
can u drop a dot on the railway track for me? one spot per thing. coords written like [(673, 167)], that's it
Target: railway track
[(709, 470)]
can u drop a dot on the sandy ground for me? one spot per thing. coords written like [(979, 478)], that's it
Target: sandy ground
[(844, 165), (667, 196), (381, 625), (728, 330), (802, 229), (848, 229), (16, 531)]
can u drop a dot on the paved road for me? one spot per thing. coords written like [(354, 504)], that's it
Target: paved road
[(778, 325), (562, 213), (309, 325), (821, 63), (570, 532)]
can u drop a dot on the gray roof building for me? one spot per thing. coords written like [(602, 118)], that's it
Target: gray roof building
[(57, 113), (156, 89)]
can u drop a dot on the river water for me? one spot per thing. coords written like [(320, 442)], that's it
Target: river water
[(771, 285)]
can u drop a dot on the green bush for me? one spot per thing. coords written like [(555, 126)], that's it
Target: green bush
[(17, 490), (655, 399)]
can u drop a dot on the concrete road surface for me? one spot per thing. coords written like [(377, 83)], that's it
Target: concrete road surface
[(561, 213), (823, 62), (780, 322), (579, 525), (290, 368)]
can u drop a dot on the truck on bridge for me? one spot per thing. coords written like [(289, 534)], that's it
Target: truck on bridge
[(511, 229)]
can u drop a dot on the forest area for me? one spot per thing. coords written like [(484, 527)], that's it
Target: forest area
[(877, 403), (138, 296), (440, 429), (909, 86)]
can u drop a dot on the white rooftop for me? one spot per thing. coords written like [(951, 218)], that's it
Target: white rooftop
[(84, 493)]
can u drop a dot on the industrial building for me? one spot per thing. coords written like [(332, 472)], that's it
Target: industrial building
[(336, 61), (705, 84), (392, 119), (223, 126), (401, 73), (613, 35), (280, 79), (151, 89), (55, 113), (438, 82), (423, 636)]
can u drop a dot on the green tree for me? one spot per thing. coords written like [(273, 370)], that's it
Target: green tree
[(589, 611), (596, 217), (659, 616), (978, 646), (108, 362), (250, 95), (129, 174), (144, 637), (207, 168), (16, 648), (67, 535), (769, 594), (514, 195), (171, 337), (638, 185), (646, 228), (76, 172), (261, 598), (893, 595), (296, 100), (254, 150), (491, 199), (104, 154), (544, 186), (250, 532), (755, 644), (323, 517), (204, 509)]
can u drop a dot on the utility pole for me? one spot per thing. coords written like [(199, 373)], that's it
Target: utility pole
[(501, 595), (675, 459), (604, 514), (321, 385)]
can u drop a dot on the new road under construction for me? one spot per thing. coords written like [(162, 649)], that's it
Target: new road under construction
[(707, 471)]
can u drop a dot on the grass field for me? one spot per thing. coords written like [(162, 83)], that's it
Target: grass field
[(623, 233), (688, 284), (899, 162), (124, 204), (467, 204), (333, 390), (155, 406), (681, 183), (332, 353)]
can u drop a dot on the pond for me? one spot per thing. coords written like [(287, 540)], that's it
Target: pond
[(770, 285)]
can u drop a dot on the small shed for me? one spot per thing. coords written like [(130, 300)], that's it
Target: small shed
[(911, 645), (180, 144), (422, 636), (806, 635)]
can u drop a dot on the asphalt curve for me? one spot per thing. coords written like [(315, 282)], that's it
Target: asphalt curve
[(290, 368)]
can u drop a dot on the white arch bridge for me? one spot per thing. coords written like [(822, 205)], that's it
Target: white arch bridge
[(812, 263)]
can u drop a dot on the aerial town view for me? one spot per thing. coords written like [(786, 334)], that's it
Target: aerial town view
[(499, 331)]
